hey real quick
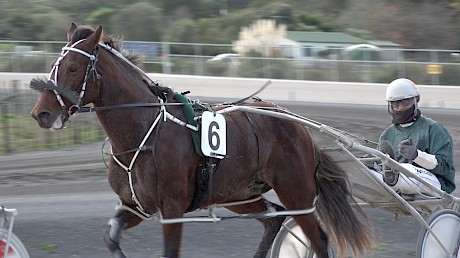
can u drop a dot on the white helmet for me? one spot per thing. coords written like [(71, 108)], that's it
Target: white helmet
[(401, 89)]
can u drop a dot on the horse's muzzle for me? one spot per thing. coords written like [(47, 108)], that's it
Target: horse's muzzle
[(47, 120)]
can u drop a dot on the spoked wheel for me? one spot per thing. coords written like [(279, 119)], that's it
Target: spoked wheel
[(445, 224), (16, 248), (291, 242)]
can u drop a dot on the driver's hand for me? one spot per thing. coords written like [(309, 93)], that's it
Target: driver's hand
[(408, 149)]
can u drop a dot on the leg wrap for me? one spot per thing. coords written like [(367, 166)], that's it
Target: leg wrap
[(112, 237)]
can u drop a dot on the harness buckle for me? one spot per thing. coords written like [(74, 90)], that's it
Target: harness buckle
[(74, 110)]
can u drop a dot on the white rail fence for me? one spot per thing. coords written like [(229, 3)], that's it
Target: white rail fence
[(19, 132), (425, 66)]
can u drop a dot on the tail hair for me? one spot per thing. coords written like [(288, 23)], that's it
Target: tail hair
[(335, 209)]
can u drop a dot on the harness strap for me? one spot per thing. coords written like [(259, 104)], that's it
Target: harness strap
[(72, 48), (163, 113), (136, 154), (140, 214), (255, 135), (212, 217), (180, 122)]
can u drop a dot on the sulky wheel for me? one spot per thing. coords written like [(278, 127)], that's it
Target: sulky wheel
[(16, 248), (291, 242), (445, 224)]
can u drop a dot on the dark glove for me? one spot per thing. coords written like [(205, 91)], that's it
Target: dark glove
[(408, 149)]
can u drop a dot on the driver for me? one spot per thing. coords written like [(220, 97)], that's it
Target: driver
[(419, 143)]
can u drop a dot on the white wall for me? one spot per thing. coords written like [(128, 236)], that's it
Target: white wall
[(293, 90)]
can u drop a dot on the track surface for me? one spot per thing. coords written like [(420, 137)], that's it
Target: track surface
[(64, 200)]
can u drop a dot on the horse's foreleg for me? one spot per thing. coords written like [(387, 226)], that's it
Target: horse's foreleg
[(172, 239), (271, 225), (112, 237), (116, 225)]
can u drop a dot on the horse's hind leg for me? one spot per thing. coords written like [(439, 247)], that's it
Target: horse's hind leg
[(121, 221), (298, 196), (271, 225), (317, 237)]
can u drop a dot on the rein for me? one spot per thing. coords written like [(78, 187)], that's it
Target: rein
[(91, 70), (96, 109)]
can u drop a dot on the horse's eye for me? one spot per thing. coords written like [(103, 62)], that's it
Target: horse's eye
[(72, 69)]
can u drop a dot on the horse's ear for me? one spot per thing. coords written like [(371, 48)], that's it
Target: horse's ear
[(72, 28), (94, 39)]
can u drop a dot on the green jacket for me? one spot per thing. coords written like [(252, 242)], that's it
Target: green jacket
[(430, 137)]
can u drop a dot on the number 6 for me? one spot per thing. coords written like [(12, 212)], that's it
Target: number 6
[(211, 134)]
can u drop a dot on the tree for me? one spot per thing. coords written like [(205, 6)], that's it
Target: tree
[(102, 16), (138, 22), (54, 26), (413, 25), (20, 25)]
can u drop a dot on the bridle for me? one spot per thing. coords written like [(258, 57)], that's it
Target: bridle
[(91, 71)]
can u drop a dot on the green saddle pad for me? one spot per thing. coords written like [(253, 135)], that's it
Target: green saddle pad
[(190, 115)]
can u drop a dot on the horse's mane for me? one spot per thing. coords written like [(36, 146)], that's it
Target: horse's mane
[(84, 31)]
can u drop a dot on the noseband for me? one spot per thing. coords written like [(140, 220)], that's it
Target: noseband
[(90, 72)]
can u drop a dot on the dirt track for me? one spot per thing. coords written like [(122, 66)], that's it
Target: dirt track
[(80, 169)]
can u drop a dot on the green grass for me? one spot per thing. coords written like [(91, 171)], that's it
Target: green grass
[(22, 133), (48, 248)]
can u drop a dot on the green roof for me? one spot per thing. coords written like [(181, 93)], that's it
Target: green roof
[(322, 37)]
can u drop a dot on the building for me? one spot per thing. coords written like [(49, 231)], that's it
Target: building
[(305, 45)]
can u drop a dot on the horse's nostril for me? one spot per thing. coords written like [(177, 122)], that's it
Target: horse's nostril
[(43, 116)]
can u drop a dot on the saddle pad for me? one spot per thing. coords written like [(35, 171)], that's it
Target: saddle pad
[(190, 115)]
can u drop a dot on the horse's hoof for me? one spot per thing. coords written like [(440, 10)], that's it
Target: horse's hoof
[(110, 243), (113, 246), (112, 237), (118, 254)]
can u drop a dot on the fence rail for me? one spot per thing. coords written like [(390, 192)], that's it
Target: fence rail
[(425, 66), (19, 132)]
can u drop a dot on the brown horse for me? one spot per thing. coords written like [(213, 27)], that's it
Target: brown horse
[(154, 166)]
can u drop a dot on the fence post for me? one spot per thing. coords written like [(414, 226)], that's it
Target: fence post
[(198, 62), (14, 85), (401, 65), (434, 75), (77, 134), (5, 127), (166, 62)]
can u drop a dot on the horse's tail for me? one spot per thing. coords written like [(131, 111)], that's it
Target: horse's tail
[(335, 210)]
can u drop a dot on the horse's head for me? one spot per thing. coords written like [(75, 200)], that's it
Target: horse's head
[(73, 80)]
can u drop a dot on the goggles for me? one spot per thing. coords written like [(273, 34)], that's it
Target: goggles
[(402, 103)]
